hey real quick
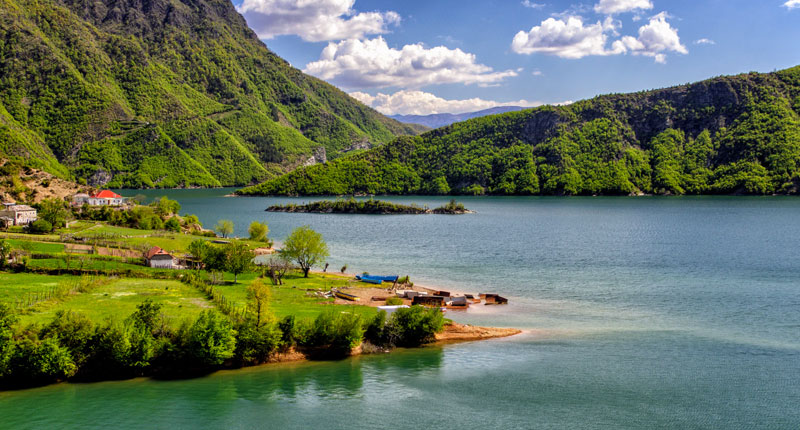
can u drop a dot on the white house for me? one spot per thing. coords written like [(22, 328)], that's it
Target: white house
[(14, 214), (102, 198), (159, 259)]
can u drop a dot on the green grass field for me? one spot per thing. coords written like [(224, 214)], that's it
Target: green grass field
[(118, 298), (15, 285), (37, 247)]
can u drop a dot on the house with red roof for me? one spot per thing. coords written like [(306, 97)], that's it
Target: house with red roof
[(100, 198), (160, 259)]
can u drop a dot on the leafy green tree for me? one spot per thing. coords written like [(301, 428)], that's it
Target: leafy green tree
[(7, 320), (414, 326), (54, 211), (224, 227), (306, 247), (173, 225), (40, 226), (258, 297), (238, 259), (199, 249), (337, 332), (74, 332), (210, 340), (256, 342), (39, 362), (165, 207), (215, 259), (258, 231)]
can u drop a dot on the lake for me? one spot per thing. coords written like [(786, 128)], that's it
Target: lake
[(644, 312)]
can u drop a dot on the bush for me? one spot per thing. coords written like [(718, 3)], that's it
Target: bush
[(173, 225), (209, 341), (258, 231), (74, 332), (255, 343), (36, 362), (40, 226), (394, 301), (374, 331), (288, 330), (336, 334), (121, 349), (414, 326)]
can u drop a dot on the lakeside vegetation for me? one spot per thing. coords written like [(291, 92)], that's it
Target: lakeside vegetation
[(90, 316), (727, 135), (368, 207), (133, 99)]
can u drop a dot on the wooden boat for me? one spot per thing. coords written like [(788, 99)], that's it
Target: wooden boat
[(345, 296)]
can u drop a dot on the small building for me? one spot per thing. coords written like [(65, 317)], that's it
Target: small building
[(494, 299), (458, 301), (159, 259), (432, 301), (14, 214), (105, 198), (80, 199)]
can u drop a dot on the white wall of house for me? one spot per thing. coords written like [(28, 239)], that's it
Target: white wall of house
[(162, 263), (20, 217)]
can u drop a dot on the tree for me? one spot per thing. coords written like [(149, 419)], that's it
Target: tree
[(258, 231), (198, 248), (54, 211), (40, 226), (276, 268), (210, 340), (238, 259), (306, 247), (173, 225), (214, 258), (224, 227), (259, 296), (165, 207), (5, 252)]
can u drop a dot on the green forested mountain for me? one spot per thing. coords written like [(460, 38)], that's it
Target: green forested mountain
[(162, 93), (738, 134)]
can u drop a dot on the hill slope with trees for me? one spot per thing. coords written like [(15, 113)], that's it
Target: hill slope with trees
[(163, 93), (727, 135)]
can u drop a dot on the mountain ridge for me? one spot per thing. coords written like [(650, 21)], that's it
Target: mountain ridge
[(725, 135), (163, 93)]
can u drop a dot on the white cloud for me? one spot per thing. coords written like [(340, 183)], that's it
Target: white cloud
[(705, 41), (792, 4), (611, 7), (314, 20), (373, 64), (537, 72), (423, 103), (532, 5), (568, 38), (655, 40)]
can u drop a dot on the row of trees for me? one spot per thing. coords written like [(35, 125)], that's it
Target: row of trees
[(71, 346)]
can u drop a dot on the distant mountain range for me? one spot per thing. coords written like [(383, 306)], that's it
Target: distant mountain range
[(726, 135), (164, 93), (442, 119)]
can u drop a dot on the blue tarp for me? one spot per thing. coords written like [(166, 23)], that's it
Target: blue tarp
[(376, 279)]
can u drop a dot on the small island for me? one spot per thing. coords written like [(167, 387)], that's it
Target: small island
[(369, 207)]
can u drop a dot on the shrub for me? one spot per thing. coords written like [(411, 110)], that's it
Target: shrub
[(39, 362), (336, 333), (210, 340), (173, 225), (255, 342), (40, 226), (414, 326), (258, 231), (394, 301), (374, 331), (288, 331), (74, 332)]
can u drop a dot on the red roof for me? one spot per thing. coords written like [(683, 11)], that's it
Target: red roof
[(106, 194), (155, 251)]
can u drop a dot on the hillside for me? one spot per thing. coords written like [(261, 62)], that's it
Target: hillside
[(442, 119), (163, 93), (727, 135)]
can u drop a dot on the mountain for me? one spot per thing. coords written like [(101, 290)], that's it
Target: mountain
[(442, 119), (163, 93), (728, 135)]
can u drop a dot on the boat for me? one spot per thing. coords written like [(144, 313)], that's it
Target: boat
[(376, 279), (345, 296)]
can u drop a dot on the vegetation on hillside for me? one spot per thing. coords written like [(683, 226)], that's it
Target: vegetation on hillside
[(163, 93), (728, 135)]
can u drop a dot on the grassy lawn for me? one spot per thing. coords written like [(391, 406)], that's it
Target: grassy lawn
[(37, 247), (292, 297), (119, 298), (89, 264), (16, 285)]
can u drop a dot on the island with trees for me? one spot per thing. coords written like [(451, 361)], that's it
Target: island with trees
[(369, 207)]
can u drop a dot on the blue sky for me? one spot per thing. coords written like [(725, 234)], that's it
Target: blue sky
[(435, 56)]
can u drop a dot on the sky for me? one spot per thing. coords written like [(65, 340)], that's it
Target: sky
[(452, 56)]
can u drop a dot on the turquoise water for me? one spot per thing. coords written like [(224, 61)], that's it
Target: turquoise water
[(639, 313)]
